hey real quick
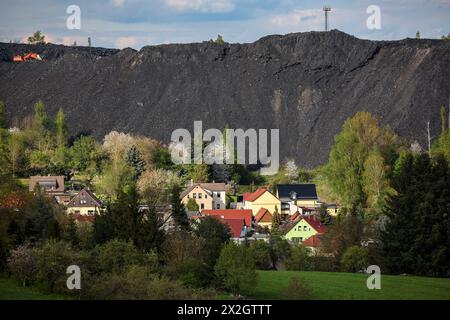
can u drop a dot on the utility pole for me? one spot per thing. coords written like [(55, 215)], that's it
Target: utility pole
[(326, 9), (89, 41)]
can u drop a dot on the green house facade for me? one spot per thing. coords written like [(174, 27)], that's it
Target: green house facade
[(303, 229)]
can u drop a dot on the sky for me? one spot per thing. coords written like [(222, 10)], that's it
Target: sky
[(137, 23)]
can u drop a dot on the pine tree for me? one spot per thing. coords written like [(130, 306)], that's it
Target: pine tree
[(36, 38), (219, 40), (135, 160), (60, 129), (399, 231), (41, 115), (416, 238), (71, 232), (276, 222), (324, 216), (178, 210)]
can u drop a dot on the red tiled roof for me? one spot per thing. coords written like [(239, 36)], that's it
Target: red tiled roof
[(245, 215), (313, 222), (255, 195), (236, 226), (313, 241), (295, 217), (263, 215)]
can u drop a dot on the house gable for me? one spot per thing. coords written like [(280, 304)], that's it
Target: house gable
[(263, 216), (267, 198), (305, 228), (85, 199)]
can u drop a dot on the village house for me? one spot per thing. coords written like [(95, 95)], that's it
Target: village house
[(333, 209), (263, 218), (238, 221), (85, 203), (208, 196), (245, 215), (294, 197), (261, 198), (301, 228), (51, 185)]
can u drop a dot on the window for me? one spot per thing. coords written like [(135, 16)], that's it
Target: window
[(206, 196), (202, 206), (83, 201), (218, 206), (194, 195), (305, 228), (199, 195)]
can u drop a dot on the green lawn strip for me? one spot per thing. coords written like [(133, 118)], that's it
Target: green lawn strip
[(11, 290), (339, 285)]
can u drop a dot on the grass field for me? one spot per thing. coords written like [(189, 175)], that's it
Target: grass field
[(326, 285), (338, 285), (11, 290)]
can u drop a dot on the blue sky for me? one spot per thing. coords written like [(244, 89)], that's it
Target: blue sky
[(136, 23)]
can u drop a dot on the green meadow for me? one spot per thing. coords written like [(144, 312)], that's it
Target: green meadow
[(347, 286)]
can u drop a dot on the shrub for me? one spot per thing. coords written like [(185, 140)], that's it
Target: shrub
[(128, 285), (322, 263), (136, 283), (235, 269), (260, 251), (355, 259), (116, 256), (53, 259), (22, 263), (299, 259), (195, 273), (297, 290)]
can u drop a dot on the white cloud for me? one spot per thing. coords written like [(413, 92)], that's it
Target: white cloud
[(124, 42), (310, 19), (201, 5), (118, 3)]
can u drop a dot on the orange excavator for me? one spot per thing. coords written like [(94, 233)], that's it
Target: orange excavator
[(27, 57)]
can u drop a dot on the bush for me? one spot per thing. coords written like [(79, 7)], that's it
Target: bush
[(195, 273), (235, 269), (136, 283), (260, 251), (116, 256), (355, 259), (322, 263), (22, 263), (53, 259), (299, 259), (297, 290)]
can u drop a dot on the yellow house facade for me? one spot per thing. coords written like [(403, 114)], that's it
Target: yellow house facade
[(202, 197), (85, 203), (261, 199)]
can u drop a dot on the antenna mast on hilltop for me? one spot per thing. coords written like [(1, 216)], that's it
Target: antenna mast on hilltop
[(326, 9)]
